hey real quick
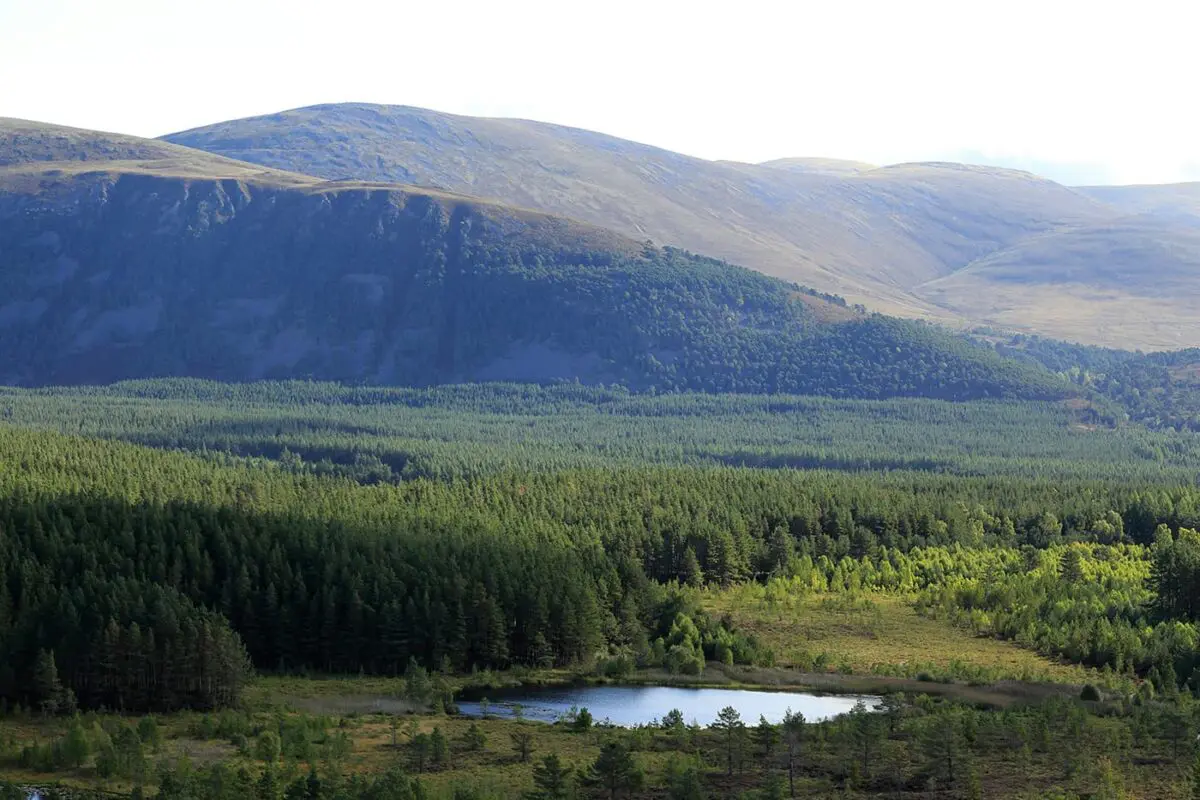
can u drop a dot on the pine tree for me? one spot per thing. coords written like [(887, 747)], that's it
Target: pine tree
[(690, 573), (793, 734), (729, 723), (474, 738), (47, 690), (439, 748), (76, 748), (616, 771), (552, 778), (766, 736), (684, 779), (522, 743)]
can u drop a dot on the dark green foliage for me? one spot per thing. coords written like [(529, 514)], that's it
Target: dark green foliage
[(616, 771), (554, 779), (685, 779), (331, 576), (1176, 575), (766, 736), (733, 732), (794, 728), (522, 744), (439, 748), (1161, 390), (474, 738), (385, 435), (393, 287)]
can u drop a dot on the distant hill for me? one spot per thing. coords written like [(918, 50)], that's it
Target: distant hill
[(825, 166), (37, 152), (146, 266), (1170, 200), (1144, 268), (892, 238)]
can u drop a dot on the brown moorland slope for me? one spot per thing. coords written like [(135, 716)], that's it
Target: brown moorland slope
[(889, 237)]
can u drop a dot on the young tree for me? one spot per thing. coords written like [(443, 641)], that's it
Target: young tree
[(943, 744), (149, 733), (892, 708), (773, 789), (616, 770), (672, 721), (266, 747), (421, 748), (766, 736), (474, 738), (439, 748), (689, 571), (865, 732), (684, 779), (269, 785), (552, 778), (47, 690), (417, 686), (75, 747), (522, 743), (729, 723), (793, 737)]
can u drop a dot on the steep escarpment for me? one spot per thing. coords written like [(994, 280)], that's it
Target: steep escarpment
[(116, 275)]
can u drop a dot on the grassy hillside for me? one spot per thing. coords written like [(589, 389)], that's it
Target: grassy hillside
[(869, 235), (1168, 200), (120, 273), (892, 238), (1142, 268), (36, 155)]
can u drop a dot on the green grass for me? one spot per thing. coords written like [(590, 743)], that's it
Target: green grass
[(879, 634)]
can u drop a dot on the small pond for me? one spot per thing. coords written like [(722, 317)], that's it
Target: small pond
[(627, 706)]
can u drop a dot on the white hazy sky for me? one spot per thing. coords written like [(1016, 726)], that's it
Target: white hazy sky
[(1100, 92)]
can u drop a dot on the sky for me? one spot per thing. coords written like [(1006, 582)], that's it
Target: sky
[(1083, 92)]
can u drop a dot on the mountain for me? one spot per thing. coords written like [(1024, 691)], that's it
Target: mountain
[(892, 238), (1144, 267), (172, 263), (1171, 200), (869, 235), (35, 154)]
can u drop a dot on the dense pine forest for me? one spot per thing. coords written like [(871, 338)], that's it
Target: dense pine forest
[(173, 547)]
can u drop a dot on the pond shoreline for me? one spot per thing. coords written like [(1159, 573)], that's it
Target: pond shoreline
[(339, 694)]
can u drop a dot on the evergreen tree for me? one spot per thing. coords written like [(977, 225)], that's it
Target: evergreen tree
[(793, 737), (616, 771), (766, 736), (733, 730), (439, 748), (552, 778), (48, 691), (522, 743), (474, 738), (684, 779), (76, 748)]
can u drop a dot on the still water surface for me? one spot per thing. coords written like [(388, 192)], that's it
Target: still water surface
[(638, 705)]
